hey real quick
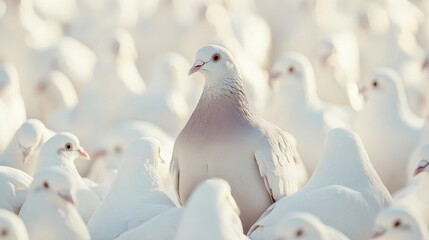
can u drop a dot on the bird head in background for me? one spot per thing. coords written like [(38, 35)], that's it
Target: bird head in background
[(29, 137), (66, 146), (291, 69)]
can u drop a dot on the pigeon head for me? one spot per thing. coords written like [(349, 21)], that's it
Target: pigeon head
[(143, 151), (11, 226), (214, 62), (214, 192), (29, 137), (293, 69), (300, 226), (423, 165), (397, 223), (66, 146), (54, 186), (385, 85)]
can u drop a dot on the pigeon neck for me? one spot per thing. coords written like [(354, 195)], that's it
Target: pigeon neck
[(222, 105), (146, 174)]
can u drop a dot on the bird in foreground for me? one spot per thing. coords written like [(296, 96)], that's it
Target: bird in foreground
[(50, 212), (12, 227), (399, 223), (136, 195), (343, 190), (225, 139), (61, 151), (220, 220), (23, 150), (14, 185), (388, 128), (415, 195), (305, 226)]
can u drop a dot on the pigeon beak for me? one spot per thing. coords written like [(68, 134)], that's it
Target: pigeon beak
[(99, 154), (362, 90), (425, 64), (421, 167), (26, 153), (196, 67), (41, 86), (67, 195), (273, 75), (83, 154), (378, 234)]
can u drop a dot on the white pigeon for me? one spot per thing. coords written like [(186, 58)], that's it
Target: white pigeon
[(61, 151), (49, 211), (11, 96), (136, 195), (14, 184), (23, 150), (220, 220), (336, 64), (344, 190), (114, 143), (399, 223), (296, 107), (224, 138), (305, 226), (415, 195), (12, 227), (387, 127), (55, 92)]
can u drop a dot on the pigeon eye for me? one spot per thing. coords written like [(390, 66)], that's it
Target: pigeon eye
[(46, 185), (291, 69), (117, 149), (216, 57), (375, 83), (4, 232), (68, 146), (397, 224), (299, 233)]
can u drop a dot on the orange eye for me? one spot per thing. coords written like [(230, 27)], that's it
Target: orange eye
[(216, 57)]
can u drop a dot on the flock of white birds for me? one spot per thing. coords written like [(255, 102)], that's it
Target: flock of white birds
[(214, 119)]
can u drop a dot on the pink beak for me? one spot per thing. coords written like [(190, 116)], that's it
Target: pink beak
[(68, 198), (83, 154), (99, 154), (425, 64), (196, 67), (378, 234), (422, 166), (362, 90)]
